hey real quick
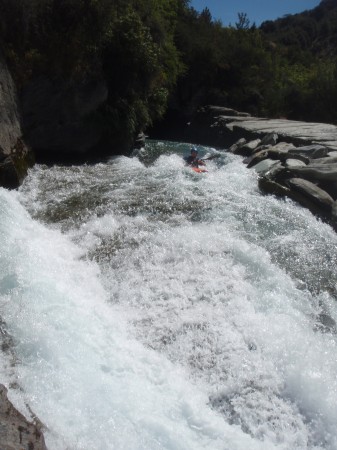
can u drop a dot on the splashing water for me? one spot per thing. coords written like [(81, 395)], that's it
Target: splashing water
[(151, 307)]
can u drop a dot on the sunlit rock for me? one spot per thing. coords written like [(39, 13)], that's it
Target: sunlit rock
[(313, 192), (311, 151)]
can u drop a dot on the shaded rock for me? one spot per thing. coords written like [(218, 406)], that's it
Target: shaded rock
[(311, 151), (15, 156), (9, 177), (260, 147), (272, 187), (16, 433), (313, 192), (247, 149), (330, 187), (10, 129), (270, 139), (140, 141), (237, 145), (280, 151), (257, 157), (276, 172)]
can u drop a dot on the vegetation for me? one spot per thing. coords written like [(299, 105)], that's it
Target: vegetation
[(156, 54)]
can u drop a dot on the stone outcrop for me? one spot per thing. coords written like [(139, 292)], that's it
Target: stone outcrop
[(15, 157), (294, 159), (286, 170), (16, 433)]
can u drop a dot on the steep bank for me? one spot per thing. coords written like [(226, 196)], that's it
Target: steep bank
[(293, 159), (15, 156)]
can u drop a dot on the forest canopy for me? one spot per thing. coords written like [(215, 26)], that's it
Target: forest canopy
[(163, 54)]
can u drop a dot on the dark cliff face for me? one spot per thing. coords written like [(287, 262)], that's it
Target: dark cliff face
[(59, 120), (15, 156)]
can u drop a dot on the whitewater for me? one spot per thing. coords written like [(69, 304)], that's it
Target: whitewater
[(145, 306)]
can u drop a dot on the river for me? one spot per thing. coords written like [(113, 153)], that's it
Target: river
[(145, 306)]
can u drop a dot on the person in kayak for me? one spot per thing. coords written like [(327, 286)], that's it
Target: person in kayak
[(193, 159)]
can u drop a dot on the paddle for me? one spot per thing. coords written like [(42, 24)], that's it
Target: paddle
[(217, 155)]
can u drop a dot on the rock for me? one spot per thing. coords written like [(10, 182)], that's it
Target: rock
[(272, 187), (327, 160), (16, 433), (293, 163), (9, 177), (15, 156), (298, 133), (223, 111), (265, 166), (312, 192), (10, 129), (319, 172), (332, 154), (140, 141), (280, 151), (270, 139), (247, 149), (256, 158), (260, 147), (233, 148), (312, 151)]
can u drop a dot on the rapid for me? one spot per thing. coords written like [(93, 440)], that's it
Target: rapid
[(145, 306)]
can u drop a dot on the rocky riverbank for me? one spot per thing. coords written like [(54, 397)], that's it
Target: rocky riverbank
[(293, 159)]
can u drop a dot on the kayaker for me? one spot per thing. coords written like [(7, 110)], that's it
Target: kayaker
[(193, 159)]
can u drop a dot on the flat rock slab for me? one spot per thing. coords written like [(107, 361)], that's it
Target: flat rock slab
[(315, 133)]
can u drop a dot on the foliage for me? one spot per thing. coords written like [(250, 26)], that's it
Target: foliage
[(154, 53)]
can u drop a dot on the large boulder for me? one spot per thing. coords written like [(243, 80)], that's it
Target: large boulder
[(312, 191)]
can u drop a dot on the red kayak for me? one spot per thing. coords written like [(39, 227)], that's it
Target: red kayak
[(198, 170)]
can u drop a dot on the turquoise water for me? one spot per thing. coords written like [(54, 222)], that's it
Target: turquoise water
[(152, 307)]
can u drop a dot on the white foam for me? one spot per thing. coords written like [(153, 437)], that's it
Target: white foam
[(92, 386), (192, 332)]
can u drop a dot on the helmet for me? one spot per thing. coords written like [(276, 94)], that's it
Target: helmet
[(194, 149)]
